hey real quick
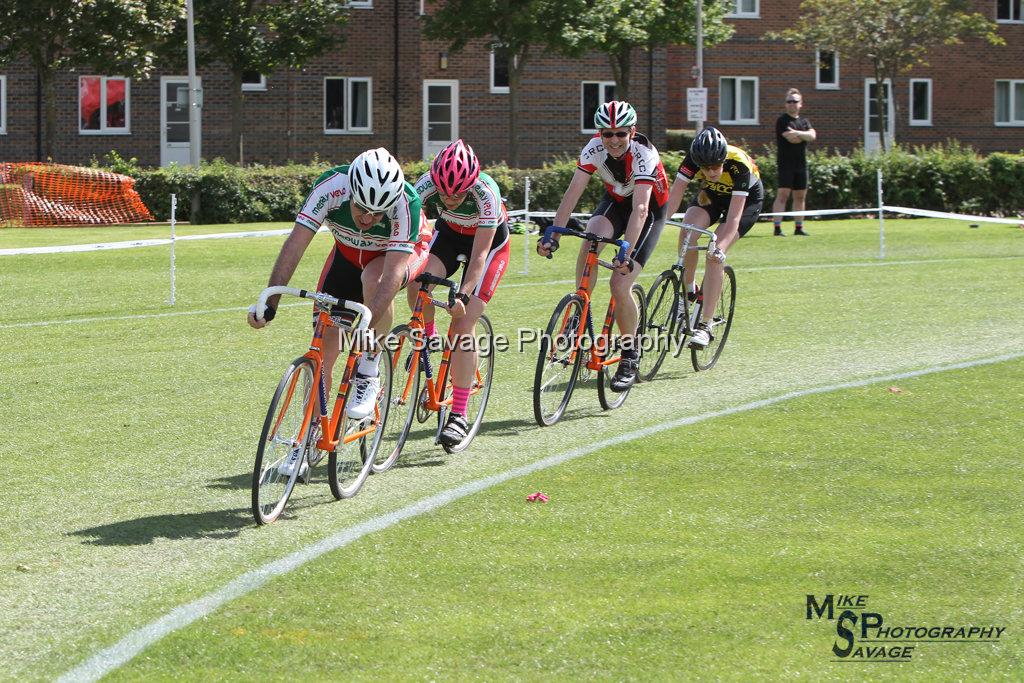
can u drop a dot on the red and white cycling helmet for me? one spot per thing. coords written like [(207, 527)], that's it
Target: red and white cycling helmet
[(615, 114), (455, 169)]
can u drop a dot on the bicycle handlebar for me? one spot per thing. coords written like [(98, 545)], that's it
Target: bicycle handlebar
[(623, 245), (323, 300), (430, 279), (693, 228)]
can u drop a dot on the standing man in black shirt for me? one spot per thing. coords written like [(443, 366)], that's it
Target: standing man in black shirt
[(792, 133)]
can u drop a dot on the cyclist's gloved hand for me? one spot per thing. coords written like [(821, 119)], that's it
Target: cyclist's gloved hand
[(716, 255), (268, 315), (545, 248)]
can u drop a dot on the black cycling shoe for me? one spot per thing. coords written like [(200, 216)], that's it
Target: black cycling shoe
[(625, 374), (454, 431)]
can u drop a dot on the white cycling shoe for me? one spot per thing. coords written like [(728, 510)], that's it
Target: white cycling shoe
[(701, 337), (363, 397), (294, 460)]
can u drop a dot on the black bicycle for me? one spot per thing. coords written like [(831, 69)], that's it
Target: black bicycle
[(671, 316)]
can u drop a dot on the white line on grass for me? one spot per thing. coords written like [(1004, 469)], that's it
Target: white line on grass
[(515, 285), (123, 651)]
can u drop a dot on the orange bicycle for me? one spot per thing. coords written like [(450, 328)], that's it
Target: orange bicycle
[(411, 363), (570, 328), (294, 440)]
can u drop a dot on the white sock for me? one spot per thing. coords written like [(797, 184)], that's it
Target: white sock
[(369, 365)]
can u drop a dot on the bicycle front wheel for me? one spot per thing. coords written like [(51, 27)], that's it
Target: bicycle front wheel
[(480, 392), (558, 362), (280, 456), (662, 300), (405, 391), (358, 440), (721, 323), (608, 398)]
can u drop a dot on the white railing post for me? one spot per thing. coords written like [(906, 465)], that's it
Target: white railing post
[(174, 207), (881, 218), (526, 227)]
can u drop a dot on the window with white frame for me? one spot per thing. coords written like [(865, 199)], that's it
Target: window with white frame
[(104, 105), (826, 71), (1010, 103), (3, 105), (348, 105), (592, 95), (737, 100), (254, 81), (499, 69), (747, 9), (1008, 11), (920, 101)]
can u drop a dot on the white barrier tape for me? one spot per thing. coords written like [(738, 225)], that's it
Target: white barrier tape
[(958, 216), (826, 212), (105, 246)]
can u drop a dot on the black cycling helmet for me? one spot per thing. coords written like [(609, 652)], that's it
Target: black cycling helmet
[(709, 148)]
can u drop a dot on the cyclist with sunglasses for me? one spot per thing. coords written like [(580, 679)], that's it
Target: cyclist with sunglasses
[(380, 245), (633, 208), (471, 222), (732, 193)]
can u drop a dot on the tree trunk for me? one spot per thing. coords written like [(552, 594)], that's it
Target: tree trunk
[(234, 149), (50, 99), (515, 72), (620, 62)]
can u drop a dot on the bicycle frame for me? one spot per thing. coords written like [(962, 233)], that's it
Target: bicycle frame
[(680, 265)]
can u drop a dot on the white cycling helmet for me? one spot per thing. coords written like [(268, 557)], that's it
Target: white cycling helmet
[(376, 180), (615, 114)]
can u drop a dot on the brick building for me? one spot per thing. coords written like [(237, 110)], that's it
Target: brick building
[(339, 104), (972, 92)]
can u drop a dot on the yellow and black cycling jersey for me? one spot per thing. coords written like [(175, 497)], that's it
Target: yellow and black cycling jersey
[(740, 176)]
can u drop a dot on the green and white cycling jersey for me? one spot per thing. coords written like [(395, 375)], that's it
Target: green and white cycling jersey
[(328, 205), (482, 207)]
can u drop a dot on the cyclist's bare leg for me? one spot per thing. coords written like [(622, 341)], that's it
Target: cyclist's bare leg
[(714, 272), (463, 358), (434, 267), (698, 217), (626, 313), (601, 226), (371, 279)]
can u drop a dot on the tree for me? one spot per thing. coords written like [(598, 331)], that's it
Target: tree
[(259, 36), (112, 36), (618, 27), (891, 35), (519, 26)]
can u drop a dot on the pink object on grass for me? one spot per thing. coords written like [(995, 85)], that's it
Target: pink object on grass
[(538, 496)]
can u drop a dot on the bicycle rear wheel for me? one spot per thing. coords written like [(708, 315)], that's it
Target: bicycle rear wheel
[(558, 362), (483, 335), (350, 463), (608, 398), (283, 439), (721, 323), (405, 391), (662, 299)]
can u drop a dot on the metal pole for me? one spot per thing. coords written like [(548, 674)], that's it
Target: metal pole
[(174, 207), (881, 218), (526, 229), (194, 94), (700, 55)]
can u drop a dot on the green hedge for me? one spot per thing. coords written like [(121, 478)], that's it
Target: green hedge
[(947, 177)]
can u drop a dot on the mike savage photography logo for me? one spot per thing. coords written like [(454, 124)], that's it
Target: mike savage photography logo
[(868, 636)]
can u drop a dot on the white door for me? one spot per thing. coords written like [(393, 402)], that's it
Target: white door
[(440, 115), (174, 141), (871, 118)]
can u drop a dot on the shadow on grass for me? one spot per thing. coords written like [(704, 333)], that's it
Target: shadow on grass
[(215, 524)]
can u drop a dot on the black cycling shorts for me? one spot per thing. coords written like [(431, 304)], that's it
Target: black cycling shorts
[(793, 175), (619, 212), (448, 244), (719, 207)]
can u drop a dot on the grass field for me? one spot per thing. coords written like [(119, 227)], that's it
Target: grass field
[(685, 553)]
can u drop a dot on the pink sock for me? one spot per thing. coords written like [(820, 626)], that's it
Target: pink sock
[(430, 329), (460, 397)]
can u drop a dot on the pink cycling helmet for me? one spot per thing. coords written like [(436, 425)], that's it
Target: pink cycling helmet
[(455, 169)]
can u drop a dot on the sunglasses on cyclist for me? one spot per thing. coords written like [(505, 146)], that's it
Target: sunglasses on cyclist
[(614, 134), (792, 101)]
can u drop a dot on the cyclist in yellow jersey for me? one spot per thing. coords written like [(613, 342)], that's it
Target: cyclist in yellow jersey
[(732, 193)]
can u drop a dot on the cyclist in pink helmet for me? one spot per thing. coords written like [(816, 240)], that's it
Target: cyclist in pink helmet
[(471, 222)]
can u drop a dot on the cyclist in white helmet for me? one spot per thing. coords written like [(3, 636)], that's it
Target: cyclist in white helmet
[(633, 208), (382, 242)]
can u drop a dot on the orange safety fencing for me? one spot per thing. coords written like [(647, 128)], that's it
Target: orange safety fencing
[(38, 194)]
